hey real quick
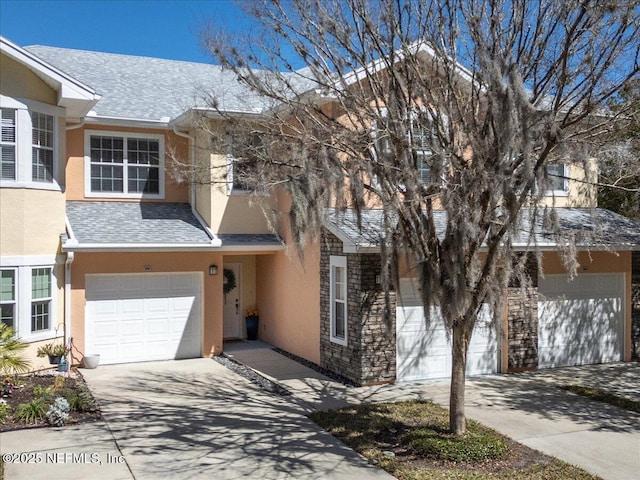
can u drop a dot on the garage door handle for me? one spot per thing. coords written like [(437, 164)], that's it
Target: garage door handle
[(236, 306)]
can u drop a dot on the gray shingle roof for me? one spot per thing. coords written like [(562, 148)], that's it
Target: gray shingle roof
[(135, 223), (150, 88), (250, 240), (590, 228)]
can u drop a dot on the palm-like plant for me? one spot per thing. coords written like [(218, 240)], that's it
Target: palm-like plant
[(12, 360)]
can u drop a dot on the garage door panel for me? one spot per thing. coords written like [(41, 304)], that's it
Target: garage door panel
[(157, 305), (580, 321), (482, 362), (143, 317), (157, 326), (422, 367), (423, 348)]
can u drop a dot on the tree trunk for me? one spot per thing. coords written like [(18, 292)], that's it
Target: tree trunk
[(457, 420)]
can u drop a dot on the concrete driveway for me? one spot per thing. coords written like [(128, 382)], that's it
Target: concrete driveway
[(528, 407), (193, 419)]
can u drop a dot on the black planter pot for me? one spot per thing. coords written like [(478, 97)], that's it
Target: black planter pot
[(252, 327), (54, 359)]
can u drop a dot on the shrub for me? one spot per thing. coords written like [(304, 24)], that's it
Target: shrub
[(40, 391), (5, 411), (11, 353), (79, 401), (58, 384), (58, 412), (31, 412)]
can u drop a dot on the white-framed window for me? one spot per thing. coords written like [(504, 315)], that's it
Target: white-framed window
[(28, 297), (42, 147), (338, 299), (8, 145), (29, 144), (421, 138), (8, 297), (120, 164), (241, 162), (558, 174), (40, 300)]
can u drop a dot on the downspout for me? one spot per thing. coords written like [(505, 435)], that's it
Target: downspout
[(215, 241), (68, 340)]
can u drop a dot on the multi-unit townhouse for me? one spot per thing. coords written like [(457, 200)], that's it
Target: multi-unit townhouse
[(102, 246)]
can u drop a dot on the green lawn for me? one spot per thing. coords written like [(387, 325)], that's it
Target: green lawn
[(410, 440), (602, 396)]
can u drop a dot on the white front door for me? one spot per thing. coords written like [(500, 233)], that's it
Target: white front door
[(580, 321), (232, 307), (142, 317)]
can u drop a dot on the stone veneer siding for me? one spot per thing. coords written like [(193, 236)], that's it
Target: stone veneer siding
[(370, 354), (522, 321), (635, 305), (523, 328)]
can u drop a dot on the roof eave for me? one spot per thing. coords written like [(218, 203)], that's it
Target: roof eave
[(188, 118), (137, 247), (75, 96)]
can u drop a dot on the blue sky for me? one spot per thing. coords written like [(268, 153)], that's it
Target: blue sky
[(155, 28)]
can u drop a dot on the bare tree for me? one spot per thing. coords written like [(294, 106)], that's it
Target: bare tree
[(422, 105), (619, 155)]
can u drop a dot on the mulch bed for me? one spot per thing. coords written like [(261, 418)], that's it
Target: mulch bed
[(25, 393), (251, 375)]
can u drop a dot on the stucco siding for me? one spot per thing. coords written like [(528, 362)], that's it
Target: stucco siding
[(31, 221), (288, 297), (19, 82)]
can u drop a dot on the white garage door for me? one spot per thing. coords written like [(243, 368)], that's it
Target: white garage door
[(141, 317), (423, 350), (581, 321)]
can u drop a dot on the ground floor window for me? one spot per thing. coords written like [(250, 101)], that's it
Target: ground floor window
[(338, 286), (8, 297), (27, 301)]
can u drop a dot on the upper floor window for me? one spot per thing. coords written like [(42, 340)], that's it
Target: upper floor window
[(125, 165), (558, 178), (28, 144), (42, 150), (8, 145), (242, 162), (420, 138)]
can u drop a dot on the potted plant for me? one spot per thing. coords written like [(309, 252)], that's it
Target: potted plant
[(55, 351), (252, 319)]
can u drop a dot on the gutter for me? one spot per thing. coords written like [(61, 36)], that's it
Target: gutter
[(70, 246), (215, 241)]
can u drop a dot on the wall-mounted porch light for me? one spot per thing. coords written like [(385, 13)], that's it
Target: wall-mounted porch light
[(213, 269)]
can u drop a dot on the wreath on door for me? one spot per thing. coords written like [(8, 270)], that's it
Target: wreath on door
[(229, 280)]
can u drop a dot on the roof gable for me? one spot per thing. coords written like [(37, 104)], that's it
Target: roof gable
[(77, 97)]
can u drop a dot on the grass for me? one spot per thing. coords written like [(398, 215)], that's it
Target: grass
[(602, 396), (410, 440)]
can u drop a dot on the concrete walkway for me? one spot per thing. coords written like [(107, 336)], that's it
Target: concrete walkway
[(602, 439)]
